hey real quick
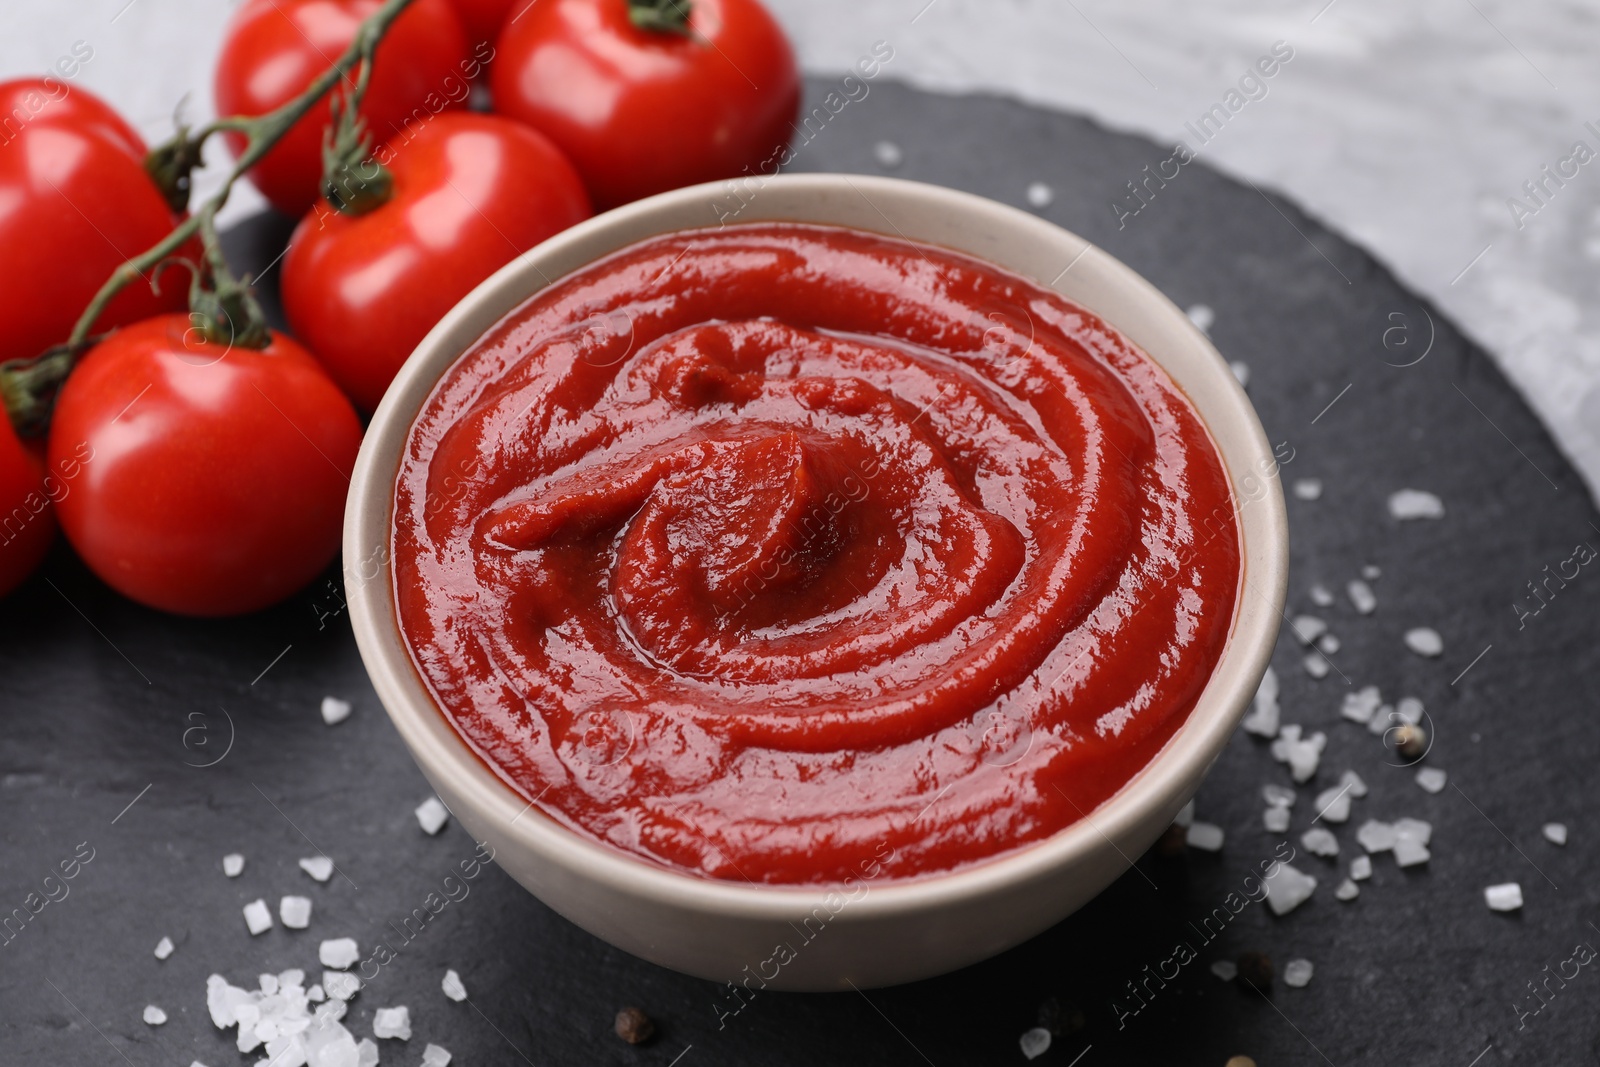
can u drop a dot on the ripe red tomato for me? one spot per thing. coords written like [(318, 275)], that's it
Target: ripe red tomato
[(27, 522), (273, 49), (74, 203), (484, 18), (471, 193), (217, 476), (644, 111)]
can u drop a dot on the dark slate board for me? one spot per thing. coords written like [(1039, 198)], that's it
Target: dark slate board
[(104, 703)]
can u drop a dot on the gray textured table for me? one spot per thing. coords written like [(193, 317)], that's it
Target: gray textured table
[(104, 703)]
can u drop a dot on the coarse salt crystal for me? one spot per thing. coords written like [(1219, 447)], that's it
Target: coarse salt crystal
[(318, 867), (1288, 888), (1307, 628), (1333, 805), (1555, 833), (1308, 488), (1316, 665), (1321, 596), (1382, 720), (1409, 709), (1409, 852), (334, 710), (367, 1053), (1241, 372), (1424, 641), (1408, 504), (1371, 572), (438, 1056), (1328, 644), (1275, 820), (1202, 316), (1263, 718), (268, 983), (340, 985), (1301, 754), (1204, 836), (1414, 829), (1506, 897), (452, 987), (1431, 779), (1035, 1042), (1226, 970), (232, 864), (164, 948), (1358, 788), (888, 154), (1185, 815), (1362, 597), (1375, 836), (1361, 868), (1360, 705), (1278, 796), (295, 912), (1320, 841), (1296, 973), (154, 1015), (432, 815), (338, 953), (1040, 195), (392, 1022), (1347, 891), (258, 917)]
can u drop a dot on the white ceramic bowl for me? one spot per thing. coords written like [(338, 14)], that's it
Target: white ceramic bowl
[(896, 931)]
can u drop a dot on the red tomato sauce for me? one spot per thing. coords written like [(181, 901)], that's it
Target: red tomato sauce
[(769, 552)]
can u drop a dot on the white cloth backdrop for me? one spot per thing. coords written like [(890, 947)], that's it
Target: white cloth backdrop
[(1405, 126)]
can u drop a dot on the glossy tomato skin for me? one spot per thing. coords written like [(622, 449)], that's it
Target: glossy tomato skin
[(640, 112), (484, 19), (471, 193), (75, 202), (273, 49), (27, 520), (217, 477)]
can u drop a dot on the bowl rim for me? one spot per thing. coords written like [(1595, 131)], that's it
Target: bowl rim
[(435, 744)]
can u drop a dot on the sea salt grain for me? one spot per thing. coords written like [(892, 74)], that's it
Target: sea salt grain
[(1308, 488), (1302, 755), (888, 154), (1409, 852), (1287, 889), (1202, 316), (1555, 833), (1035, 1042), (367, 1053), (258, 917), (232, 864), (1414, 829), (334, 710), (1316, 665), (295, 912), (155, 1016), (1506, 897), (164, 948), (437, 1056), (1297, 973), (1204, 836), (1328, 644), (1371, 572), (1263, 718), (1360, 705), (1333, 805), (1424, 641), (1347, 891), (1040, 195), (1362, 597), (338, 953), (1320, 842), (1241, 372), (340, 985), (1358, 788), (1431, 779), (1321, 596), (1275, 820), (318, 867), (1226, 970), (1307, 628), (1278, 796), (432, 815), (1361, 868), (1409, 504), (1185, 815), (1376, 836), (392, 1022), (453, 988)]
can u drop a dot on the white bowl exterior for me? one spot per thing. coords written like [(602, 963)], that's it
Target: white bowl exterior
[(887, 932)]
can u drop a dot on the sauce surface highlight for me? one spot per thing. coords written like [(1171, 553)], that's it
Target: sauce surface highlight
[(775, 553)]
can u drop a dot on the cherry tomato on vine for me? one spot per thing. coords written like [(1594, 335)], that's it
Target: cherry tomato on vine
[(471, 193), (217, 476), (75, 202), (485, 18), (274, 49), (641, 111), (27, 522)]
